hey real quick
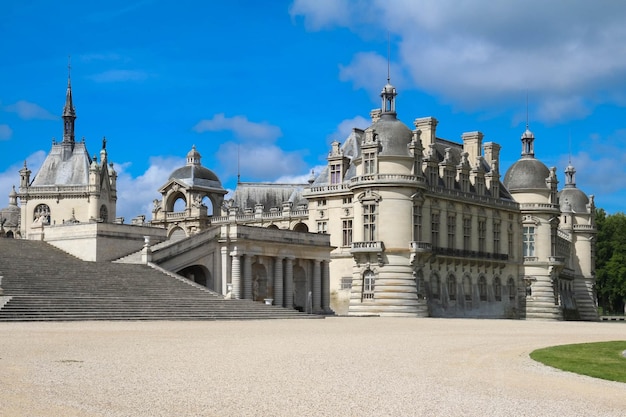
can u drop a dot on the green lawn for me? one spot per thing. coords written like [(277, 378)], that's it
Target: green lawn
[(600, 360)]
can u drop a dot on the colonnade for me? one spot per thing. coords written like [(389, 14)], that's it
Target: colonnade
[(280, 278)]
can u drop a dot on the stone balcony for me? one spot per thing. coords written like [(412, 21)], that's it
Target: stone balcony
[(556, 260), (420, 247), (368, 247)]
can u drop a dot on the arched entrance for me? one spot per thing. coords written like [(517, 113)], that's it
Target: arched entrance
[(260, 287), (299, 288), (198, 274)]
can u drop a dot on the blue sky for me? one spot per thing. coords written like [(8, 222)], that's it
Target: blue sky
[(280, 80)]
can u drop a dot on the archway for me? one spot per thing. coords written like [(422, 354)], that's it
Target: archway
[(301, 227), (198, 274), (260, 287), (177, 233), (299, 288)]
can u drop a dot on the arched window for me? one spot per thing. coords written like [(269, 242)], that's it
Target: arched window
[(104, 213), (497, 288), (42, 214), (512, 289), (482, 288), (273, 226), (434, 286), (467, 287), (452, 288), (368, 285), (300, 227)]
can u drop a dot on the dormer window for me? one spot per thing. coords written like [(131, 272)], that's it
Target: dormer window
[(335, 173)]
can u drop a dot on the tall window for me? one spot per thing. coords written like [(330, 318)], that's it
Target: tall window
[(482, 288), (467, 287), (529, 241), (497, 289), (434, 286), (417, 223), (452, 287), (467, 233), (512, 289), (510, 242), (449, 178), (347, 232), (104, 213), (322, 227), (434, 229), (369, 162), (496, 237), (368, 285), (482, 234), (433, 176), (369, 222), (335, 173), (451, 228)]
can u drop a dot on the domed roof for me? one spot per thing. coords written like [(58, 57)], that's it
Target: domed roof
[(194, 174), (526, 174), (574, 200), (393, 136)]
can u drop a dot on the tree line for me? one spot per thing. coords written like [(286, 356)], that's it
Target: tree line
[(611, 261)]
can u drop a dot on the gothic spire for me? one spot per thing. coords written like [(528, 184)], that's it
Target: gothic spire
[(69, 113)]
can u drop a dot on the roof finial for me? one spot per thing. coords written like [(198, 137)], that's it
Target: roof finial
[(69, 69), (570, 147), (527, 109), (388, 58), (238, 172)]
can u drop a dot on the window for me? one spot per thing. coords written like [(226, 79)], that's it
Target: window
[(417, 223), (346, 283), (482, 288), (451, 226), (496, 237), (529, 241), (465, 183), (449, 178), (497, 289), (369, 222), (480, 186), (104, 213), (335, 173), (369, 163), (321, 203), (347, 232), (452, 288), (42, 214), (322, 227), (368, 285), (434, 229), (512, 289), (482, 232), (433, 176), (510, 242), (347, 200), (467, 233), (434, 286), (467, 287)]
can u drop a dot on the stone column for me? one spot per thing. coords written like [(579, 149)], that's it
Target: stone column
[(317, 286), (278, 282), (289, 282), (247, 277), (224, 251), (236, 276), (326, 287)]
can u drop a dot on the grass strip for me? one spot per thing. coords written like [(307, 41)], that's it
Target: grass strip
[(600, 360)]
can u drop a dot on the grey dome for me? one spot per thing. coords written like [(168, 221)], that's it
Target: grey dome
[(196, 175), (393, 135), (526, 174), (574, 200)]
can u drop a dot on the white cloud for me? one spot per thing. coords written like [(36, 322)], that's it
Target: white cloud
[(482, 53), (240, 126), (344, 129), (136, 194), (115, 76), (258, 162), (11, 177), (5, 132), (28, 111)]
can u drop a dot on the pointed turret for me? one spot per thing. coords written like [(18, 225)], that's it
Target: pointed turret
[(69, 113)]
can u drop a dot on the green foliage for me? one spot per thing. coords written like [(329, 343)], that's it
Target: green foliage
[(611, 261), (599, 360)]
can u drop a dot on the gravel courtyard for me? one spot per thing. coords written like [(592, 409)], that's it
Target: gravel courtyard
[(332, 367)]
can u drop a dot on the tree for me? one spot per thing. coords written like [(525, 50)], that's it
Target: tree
[(611, 261)]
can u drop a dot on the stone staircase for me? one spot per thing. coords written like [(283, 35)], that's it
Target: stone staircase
[(43, 283)]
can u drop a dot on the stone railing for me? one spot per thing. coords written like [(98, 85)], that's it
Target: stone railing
[(585, 227), (371, 247), (324, 189), (556, 260), (386, 179), (539, 206), (531, 259), (462, 253), (485, 199), (416, 246), (58, 188), (281, 215)]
